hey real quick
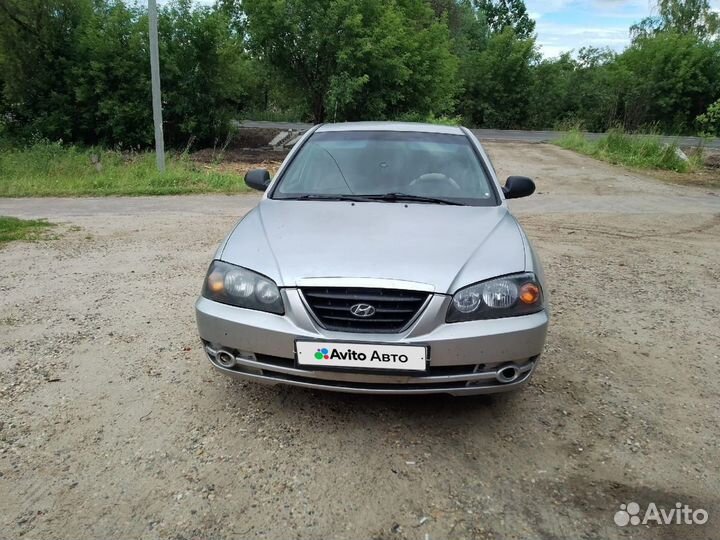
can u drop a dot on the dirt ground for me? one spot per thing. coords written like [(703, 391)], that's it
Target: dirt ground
[(240, 160), (113, 424)]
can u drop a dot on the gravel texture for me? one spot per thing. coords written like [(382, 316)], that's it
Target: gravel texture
[(113, 425)]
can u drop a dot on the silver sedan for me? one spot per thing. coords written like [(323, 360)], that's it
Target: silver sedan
[(382, 259)]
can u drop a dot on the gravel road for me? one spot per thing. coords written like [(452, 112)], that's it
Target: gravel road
[(113, 425)]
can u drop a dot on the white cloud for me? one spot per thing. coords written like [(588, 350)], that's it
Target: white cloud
[(544, 6), (566, 25), (555, 38)]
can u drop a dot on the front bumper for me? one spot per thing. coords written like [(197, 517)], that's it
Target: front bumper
[(465, 358)]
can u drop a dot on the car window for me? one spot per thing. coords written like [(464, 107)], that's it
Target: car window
[(361, 163)]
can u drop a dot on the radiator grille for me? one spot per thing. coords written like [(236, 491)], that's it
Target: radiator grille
[(392, 309)]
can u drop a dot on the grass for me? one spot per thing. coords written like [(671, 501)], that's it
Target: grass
[(642, 152), (21, 229), (51, 169)]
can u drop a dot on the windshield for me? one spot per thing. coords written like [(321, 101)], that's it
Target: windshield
[(404, 165)]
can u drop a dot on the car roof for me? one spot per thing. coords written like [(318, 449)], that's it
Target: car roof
[(391, 126)]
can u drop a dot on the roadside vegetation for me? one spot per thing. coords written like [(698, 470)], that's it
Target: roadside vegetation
[(75, 75), (46, 169), (639, 151), (78, 70), (21, 229)]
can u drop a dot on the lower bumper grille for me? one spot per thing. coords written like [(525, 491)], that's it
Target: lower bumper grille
[(349, 309), (463, 379)]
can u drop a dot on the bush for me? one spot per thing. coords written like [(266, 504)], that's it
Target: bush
[(709, 123)]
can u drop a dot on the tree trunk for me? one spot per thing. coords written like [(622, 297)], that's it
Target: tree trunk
[(318, 108)]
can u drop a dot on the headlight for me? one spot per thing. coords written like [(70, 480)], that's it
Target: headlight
[(502, 297), (237, 286)]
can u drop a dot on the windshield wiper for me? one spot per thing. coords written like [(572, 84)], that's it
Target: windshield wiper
[(400, 197), (318, 197), (386, 197)]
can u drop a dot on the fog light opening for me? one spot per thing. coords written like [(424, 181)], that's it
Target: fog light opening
[(507, 374), (225, 359)]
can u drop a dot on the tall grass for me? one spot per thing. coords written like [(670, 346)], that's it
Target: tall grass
[(640, 151), (51, 169)]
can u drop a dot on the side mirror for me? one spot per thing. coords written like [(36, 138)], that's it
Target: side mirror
[(518, 186), (258, 179)]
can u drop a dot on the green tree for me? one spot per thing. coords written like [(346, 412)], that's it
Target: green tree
[(499, 81), (682, 16), (468, 27), (596, 88), (552, 93), (469, 32), (356, 59), (404, 65), (112, 83), (501, 14), (669, 80), (78, 70), (39, 47), (204, 72), (584, 91)]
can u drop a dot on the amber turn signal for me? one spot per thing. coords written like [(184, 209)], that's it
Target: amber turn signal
[(216, 282), (529, 293)]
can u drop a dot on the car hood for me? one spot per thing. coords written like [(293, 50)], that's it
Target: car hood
[(446, 247)]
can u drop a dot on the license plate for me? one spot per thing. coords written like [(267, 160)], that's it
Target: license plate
[(319, 355)]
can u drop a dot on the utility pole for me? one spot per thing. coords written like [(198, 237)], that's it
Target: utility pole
[(155, 75)]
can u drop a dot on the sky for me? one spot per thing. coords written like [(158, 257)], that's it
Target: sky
[(563, 25)]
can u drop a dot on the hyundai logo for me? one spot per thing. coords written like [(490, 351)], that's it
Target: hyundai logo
[(362, 310)]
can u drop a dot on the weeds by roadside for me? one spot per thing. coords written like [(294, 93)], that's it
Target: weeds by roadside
[(21, 229), (51, 169), (641, 151)]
